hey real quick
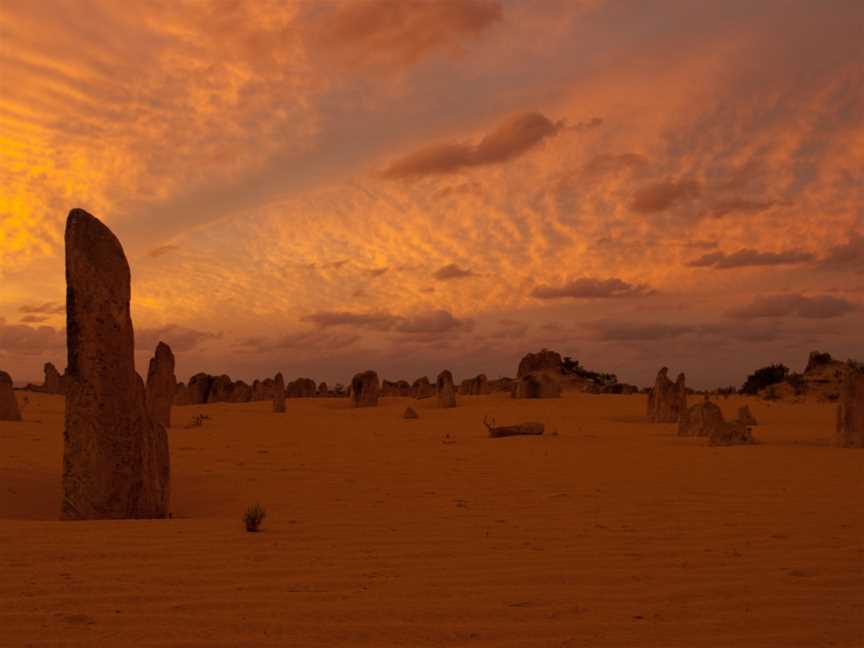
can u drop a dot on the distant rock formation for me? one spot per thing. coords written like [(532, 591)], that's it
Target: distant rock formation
[(706, 419), (422, 388), (544, 360), (477, 386), (446, 390), (9, 410), (540, 384), (746, 416), (397, 388), (364, 389), (54, 382), (279, 394), (301, 388), (410, 413), (198, 390), (221, 389), (181, 394), (241, 392), (539, 375), (502, 385), (824, 377), (667, 400), (263, 390), (115, 462), (850, 413), (700, 419), (161, 385)]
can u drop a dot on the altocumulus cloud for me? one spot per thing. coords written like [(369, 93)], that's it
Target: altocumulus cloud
[(20, 339), (847, 256), (515, 136), (179, 338), (47, 308), (434, 321), (313, 341), (452, 271), (591, 288), (794, 304), (376, 320), (394, 34), (750, 258), (660, 196), (615, 331)]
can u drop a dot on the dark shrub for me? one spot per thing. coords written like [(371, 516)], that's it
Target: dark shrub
[(253, 517), (770, 375), (575, 368)]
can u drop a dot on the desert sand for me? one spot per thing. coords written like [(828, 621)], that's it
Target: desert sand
[(382, 531)]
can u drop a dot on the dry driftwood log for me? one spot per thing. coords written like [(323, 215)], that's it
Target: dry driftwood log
[(512, 430)]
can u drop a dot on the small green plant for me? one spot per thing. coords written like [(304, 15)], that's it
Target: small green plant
[(253, 518)]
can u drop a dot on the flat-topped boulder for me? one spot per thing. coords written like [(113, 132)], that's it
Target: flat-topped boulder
[(539, 376), (161, 385), (667, 400), (364, 389), (9, 410), (544, 360), (446, 390), (115, 459)]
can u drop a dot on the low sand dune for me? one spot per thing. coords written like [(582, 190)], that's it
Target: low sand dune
[(386, 532)]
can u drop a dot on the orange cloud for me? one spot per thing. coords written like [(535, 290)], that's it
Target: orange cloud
[(660, 196), (591, 288), (512, 138), (397, 33), (745, 258), (817, 307)]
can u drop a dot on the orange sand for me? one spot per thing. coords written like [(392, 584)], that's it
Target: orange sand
[(385, 532)]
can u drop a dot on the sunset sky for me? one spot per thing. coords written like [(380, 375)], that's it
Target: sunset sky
[(325, 187)]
